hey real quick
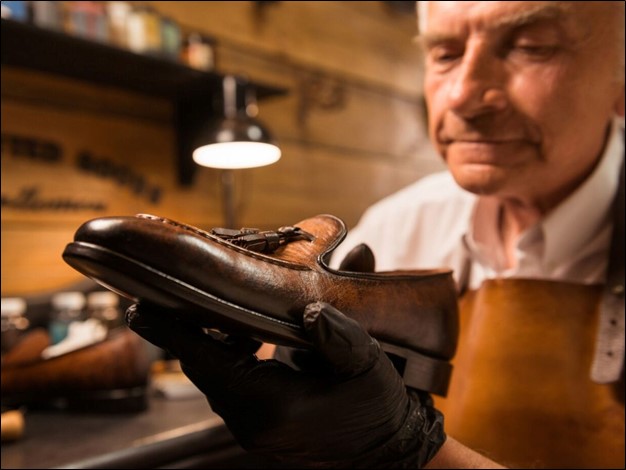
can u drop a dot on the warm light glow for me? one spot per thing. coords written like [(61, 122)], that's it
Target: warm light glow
[(234, 155)]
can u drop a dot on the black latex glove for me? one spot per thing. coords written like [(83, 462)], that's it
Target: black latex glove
[(352, 411)]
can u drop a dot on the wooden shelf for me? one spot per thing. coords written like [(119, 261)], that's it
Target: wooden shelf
[(193, 91)]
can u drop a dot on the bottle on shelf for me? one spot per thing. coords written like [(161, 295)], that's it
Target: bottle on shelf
[(171, 40), (144, 30), (88, 20), (16, 11), (104, 307), (197, 52), (67, 307), (48, 15), (14, 321), (117, 14)]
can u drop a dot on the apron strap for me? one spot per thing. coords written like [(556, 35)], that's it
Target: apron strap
[(608, 361)]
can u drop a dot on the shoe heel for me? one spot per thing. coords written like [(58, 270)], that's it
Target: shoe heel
[(419, 371)]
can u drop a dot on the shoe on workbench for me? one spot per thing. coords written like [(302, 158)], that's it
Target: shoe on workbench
[(110, 375)]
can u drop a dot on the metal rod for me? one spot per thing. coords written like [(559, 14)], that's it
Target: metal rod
[(230, 96), (228, 198)]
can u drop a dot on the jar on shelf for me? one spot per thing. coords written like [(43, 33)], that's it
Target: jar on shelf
[(144, 30), (48, 15), (117, 14), (67, 307), (14, 321), (198, 52), (16, 11), (171, 39), (87, 20), (104, 307)]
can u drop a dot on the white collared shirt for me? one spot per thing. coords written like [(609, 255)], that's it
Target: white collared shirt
[(435, 223)]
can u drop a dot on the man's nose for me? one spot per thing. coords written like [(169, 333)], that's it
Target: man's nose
[(479, 85)]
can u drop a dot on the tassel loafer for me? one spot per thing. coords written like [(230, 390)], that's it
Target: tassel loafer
[(257, 283)]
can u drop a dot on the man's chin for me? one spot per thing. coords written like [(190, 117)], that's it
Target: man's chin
[(483, 180)]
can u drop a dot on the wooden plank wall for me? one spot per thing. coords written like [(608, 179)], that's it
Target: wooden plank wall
[(351, 128)]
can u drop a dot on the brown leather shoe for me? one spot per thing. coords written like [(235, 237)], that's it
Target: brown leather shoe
[(258, 283), (108, 376)]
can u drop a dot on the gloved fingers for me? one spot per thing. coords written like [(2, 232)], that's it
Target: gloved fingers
[(242, 344), (301, 359), (342, 341), (288, 355), (206, 352)]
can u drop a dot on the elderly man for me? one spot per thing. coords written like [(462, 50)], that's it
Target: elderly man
[(524, 100)]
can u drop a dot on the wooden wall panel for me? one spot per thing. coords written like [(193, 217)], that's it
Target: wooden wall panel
[(365, 40), (308, 181), (48, 90), (351, 128), (102, 156)]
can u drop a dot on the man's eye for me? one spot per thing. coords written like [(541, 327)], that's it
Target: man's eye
[(442, 56), (535, 51)]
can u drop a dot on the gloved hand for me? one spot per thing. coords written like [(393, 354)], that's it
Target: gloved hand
[(359, 259), (352, 410)]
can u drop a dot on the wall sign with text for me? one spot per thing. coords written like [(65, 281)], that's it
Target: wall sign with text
[(30, 196)]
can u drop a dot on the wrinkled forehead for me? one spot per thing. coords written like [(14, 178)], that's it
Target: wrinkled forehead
[(496, 14)]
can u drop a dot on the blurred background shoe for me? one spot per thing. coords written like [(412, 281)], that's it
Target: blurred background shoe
[(107, 374)]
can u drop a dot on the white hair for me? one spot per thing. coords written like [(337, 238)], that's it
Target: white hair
[(422, 13)]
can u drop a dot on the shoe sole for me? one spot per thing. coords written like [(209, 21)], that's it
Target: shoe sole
[(137, 281), (140, 282)]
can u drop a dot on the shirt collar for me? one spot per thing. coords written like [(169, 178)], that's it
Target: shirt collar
[(563, 231), (483, 237)]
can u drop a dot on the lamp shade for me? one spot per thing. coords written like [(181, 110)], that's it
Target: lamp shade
[(237, 142), (236, 139)]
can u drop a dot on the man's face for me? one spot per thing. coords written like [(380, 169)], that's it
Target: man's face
[(520, 94)]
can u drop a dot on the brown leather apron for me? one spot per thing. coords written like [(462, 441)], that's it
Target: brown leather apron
[(520, 391)]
